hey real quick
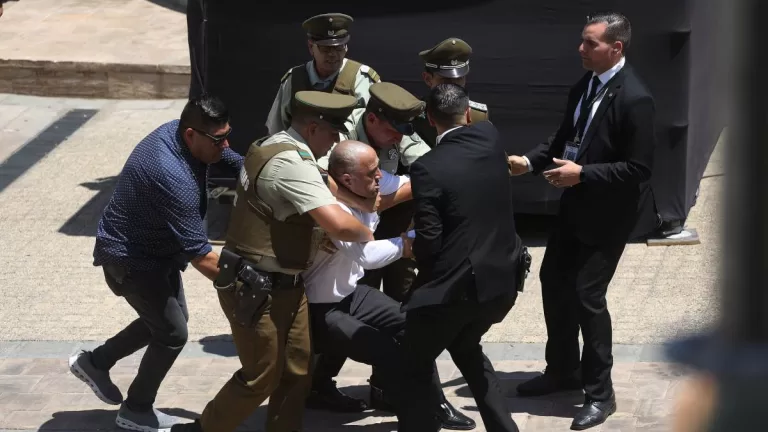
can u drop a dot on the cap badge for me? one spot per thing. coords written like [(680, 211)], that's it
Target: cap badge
[(454, 62), (453, 42), (330, 19), (331, 32), (392, 154)]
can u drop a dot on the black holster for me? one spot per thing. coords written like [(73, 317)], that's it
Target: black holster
[(523, 268), (229, 265), (250, 287), (251, 294)]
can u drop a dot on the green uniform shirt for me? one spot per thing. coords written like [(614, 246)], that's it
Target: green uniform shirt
[(277, 120), (290, 185)]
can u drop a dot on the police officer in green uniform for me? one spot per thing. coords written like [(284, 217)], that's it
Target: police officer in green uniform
[(446, 62), (396, 102), (386, 124), (282, 209), (329, 70)]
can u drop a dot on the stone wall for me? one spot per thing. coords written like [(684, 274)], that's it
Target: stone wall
[(94, 80)]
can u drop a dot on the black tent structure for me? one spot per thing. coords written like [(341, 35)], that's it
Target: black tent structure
[(524, 61)]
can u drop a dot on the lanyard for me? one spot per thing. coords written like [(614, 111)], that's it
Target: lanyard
[(584, 113)]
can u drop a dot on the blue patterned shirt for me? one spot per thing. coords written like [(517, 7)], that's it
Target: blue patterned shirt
[(155, 216)]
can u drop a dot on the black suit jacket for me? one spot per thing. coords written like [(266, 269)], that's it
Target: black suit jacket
[(616, 155), (465, 230)]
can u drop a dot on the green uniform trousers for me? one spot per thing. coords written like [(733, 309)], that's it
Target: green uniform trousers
[(275, 357)]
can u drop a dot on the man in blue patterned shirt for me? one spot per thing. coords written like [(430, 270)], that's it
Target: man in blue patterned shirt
[(149, 232)]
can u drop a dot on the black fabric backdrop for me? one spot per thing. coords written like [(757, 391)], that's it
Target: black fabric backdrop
[(525, 58)]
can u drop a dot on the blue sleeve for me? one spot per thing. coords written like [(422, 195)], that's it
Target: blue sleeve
[(232, 160), (178, 202)]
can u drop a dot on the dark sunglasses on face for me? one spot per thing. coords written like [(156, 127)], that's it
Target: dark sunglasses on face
[(217, 139)]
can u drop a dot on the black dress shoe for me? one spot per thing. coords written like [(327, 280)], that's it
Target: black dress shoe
[(593, 413), (546, 384), (328, 397), (451, 418), (187, 427)]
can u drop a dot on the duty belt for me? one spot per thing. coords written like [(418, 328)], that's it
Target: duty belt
[(234, 267)]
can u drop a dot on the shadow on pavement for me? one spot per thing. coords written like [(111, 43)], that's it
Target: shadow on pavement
[(86, 220), (220, 345), (558, 405), (42, 144), (174, 5), (98, 420)]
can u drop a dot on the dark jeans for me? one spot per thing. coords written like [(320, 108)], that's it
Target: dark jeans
[(158, 298)]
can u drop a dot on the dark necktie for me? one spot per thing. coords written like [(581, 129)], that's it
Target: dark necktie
[(581, 125)]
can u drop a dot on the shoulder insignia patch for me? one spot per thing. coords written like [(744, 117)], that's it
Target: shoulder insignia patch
[(370, 73), (287, 74), (478, 106), (305, 155)]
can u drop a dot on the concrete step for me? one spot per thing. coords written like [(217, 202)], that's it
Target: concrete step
[(113, 49)]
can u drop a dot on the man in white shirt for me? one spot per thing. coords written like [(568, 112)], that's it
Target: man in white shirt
[(358, 321)]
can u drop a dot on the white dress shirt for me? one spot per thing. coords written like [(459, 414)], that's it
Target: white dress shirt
[(334, 276), (604, 78), (439, 137)]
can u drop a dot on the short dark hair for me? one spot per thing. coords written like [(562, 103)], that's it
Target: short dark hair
[(204, 112), (618, 27), (447, 103)]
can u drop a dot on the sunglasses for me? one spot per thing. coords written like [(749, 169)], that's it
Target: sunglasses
[(217, 139)]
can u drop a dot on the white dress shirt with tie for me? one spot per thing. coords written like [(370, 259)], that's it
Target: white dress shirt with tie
[(604, 78)]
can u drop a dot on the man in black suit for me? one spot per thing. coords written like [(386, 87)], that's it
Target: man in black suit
[(467, 251), (604, 155)]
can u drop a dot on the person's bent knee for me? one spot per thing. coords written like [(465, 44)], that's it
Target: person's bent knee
[(176, 338), (261, 379)]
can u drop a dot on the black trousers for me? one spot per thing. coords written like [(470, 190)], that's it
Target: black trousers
[(366, 326), (158, 298), (574, 281), (458, 328)]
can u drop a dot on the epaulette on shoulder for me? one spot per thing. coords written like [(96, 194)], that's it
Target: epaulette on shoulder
[(304, 155), (285, 77), (478, 106), (370, 73)]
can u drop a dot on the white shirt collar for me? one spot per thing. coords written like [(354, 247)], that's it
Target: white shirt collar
[(315, 79), (439, 137), (610, 73)]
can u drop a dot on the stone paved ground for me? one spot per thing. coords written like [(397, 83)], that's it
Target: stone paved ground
[(58, 162), (38, 393)]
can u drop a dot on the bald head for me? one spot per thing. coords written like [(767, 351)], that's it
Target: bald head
[(345, 158), (355, 165)]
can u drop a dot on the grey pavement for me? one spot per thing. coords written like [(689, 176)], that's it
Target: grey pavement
[(38, 393), (103, 31)]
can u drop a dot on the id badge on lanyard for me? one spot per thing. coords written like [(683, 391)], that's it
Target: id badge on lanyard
[(571, 151), (572, 147)]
